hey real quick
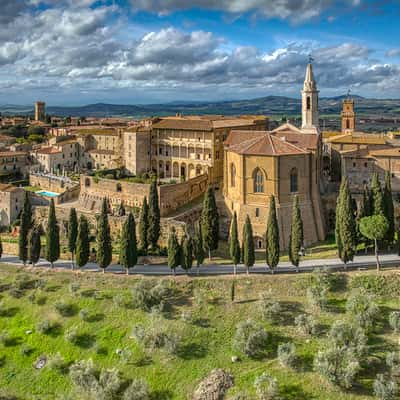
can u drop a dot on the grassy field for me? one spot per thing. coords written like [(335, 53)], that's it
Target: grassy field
[(27, 298)]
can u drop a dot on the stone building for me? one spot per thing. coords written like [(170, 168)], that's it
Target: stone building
[(11, 203), (183, 147), (136, 149), (40, 111), (13, 163), (285, 163), (348, 116)]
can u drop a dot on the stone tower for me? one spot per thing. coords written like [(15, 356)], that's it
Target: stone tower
[(348, 116), (309, 106), (40, 111)]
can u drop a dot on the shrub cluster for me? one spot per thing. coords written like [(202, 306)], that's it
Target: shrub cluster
[(250, 339), (266, 387), (269, 308), (305, 325), (362, 308), (146, 295)]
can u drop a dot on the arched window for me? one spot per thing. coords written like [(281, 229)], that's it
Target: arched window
[(308, 102), (258, 181), (293, 180), (347, 124), (233, 175)]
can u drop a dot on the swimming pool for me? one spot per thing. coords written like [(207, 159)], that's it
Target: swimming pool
[(45, 193)]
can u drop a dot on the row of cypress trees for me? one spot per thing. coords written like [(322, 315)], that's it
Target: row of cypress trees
[(246, 253), (375, 201)]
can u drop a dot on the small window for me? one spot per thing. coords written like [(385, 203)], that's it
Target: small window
[(233, 175), (257, 212), (259, 244), (217, 155), (87, 182), (308, 102), (119, 187), (365, 164), (354, 164), (258, 181), (293, 180)]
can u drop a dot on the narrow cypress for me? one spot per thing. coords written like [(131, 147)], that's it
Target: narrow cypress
[(377, 196), (52, 236), (1, 247), (234, 245), (367, 202), (72, 233), (154, 216), (198, 248), (173, 250), (248, 245), (389, 209), (187, 253), (104, 247), (25, 225), (35, 245), (144, 226), (128, 249), (338, 239), (210, 222), (361, 213), (82, 242), (347, 227), (272, 237), (296, 234)]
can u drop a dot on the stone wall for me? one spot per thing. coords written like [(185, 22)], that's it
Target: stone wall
[(51, 183)]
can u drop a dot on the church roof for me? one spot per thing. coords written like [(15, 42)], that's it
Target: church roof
[(260, 143), (294, 135), (348, 138)]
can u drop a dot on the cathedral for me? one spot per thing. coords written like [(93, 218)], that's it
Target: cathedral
[(284, 162)]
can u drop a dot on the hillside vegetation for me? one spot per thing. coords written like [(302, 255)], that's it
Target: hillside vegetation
[(173, 332)]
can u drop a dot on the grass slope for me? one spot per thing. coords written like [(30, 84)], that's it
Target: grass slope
[(207, 341)]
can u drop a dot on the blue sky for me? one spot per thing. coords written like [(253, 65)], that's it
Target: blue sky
[(73, 52)]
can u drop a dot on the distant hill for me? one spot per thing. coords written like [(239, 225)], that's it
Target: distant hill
[(270, 105)]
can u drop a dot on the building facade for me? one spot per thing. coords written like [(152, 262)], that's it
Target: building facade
[(11, 203)]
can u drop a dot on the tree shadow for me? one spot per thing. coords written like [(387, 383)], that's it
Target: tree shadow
[(295, 392), (202, 322), (143, 361), (337, 306), (85, 340), (9, 312), (12, 341), (163, 394), (192, 351), (95, 317), (54, 331), (305, 363), (52, 288), (88, 292), (289, 310)]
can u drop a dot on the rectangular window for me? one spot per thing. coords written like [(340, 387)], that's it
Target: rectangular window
[(257, 212)]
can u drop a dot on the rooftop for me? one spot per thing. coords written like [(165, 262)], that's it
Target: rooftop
[(361, 138), (49, 150), (6, 187)]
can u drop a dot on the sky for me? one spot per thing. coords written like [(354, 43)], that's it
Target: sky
[(75, 52)]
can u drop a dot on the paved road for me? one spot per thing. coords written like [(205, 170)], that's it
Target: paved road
[(360, 262)]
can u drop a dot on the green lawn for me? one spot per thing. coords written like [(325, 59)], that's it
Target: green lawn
[(206, 342)]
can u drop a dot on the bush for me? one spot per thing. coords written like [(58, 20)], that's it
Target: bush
[(172, 343), (269, 308), (348, 337), (338, 365), (146, 295), (250, 339), (385, 388), (394, 321), (83, 375), (363, 309), (26, 349), (56, 362), (150, 338), (45, 326), (393, 362), (5, 338), (84, 315), (187, 316), (287, 354), (74, 287), (72, 335), (266, 387), (137, 390), (316, 297), (64, 309), (305, 325)]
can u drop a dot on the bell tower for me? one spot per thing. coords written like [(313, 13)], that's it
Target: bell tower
[(348, 116), (309, 97)]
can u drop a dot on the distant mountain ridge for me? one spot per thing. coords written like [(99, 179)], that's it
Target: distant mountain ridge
[(269, 105)]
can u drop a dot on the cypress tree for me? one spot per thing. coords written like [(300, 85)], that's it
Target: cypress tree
[(210, 222), (25, 225), (121, 210), (173, 250), (144, 226), (337, 221), (346, 224), (233, 291), (128, 248), (248, 245), (398, 241), (104, 247), (154, 216), (234, 245), (187, 253), (34, 245), (367, 202), (72, 233), (360, 214), (377, 196), (389, 209), (198, 248), (1, 247), (296, 234), (82, 242), (52, 236), (272, 237)]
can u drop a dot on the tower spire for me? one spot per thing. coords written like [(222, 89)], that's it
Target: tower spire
[(309, 95)]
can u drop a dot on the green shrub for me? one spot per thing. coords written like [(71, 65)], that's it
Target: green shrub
[(5, 338), (269, 308), (305, 325), (84, 315), (26, 349), (146, 294), (394, 320), (250, 339), (72, 335), (45, 326), (287, 354), (317, 297), (64, 308), (362, 308), (385, 388), (266, 387), (137, 390), (393, 362), (56, 362)]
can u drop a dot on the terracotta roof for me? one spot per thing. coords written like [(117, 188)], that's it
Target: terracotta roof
[(101, 151), (308, 141), (239, 136), (95, 131), (360, 153), (5, 187), (264, 145), (357, 139), (13, 153), (49, 150), (392, 152)]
